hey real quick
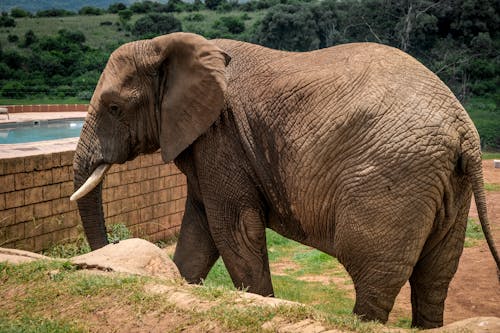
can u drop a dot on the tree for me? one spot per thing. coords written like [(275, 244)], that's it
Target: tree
[(116, 7), (88, 10), (289, 27), (19, 12), (213, 4), (125, 15), (232, 24), (29, 38), (7, 21), (156, 24)]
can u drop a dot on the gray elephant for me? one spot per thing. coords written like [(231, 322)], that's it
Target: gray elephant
[(357, 150)]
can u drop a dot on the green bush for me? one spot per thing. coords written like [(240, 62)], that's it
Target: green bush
[(232, 24), (7, 21), (13, 38), (156, 24), (19, 12)]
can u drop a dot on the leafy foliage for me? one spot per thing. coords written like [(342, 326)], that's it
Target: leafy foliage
[(156, 24)]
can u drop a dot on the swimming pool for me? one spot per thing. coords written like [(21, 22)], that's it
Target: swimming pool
[(40, 130)]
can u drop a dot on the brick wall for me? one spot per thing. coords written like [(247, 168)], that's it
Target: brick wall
[(35, 212), (47, 108)]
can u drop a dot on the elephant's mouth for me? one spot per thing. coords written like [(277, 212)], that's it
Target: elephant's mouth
[(91, 182)]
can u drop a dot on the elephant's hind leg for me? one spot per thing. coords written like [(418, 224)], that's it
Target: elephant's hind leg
[(195, 253), (437, 265)]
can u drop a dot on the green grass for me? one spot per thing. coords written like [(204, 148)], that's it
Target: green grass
[(492, 187), (31, 324), (108, 37), (491, 156), (48, 296), (473, 233), (485, 114)]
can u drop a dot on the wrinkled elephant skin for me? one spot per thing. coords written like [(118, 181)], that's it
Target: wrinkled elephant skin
[(357, 150)]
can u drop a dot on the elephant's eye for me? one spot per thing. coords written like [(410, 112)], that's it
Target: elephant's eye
[(114, 109)]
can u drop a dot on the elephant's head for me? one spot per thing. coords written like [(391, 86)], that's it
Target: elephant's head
[(158, 93)]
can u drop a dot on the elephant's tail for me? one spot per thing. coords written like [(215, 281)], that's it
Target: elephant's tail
[(475, 171)]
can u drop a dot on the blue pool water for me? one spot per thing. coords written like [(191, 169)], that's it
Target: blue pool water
[(42, 130)]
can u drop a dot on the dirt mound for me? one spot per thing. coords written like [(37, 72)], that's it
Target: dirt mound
[(133, 256), (137, 256)]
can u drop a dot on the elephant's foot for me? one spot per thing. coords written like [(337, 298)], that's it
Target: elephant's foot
[(372, 309), (427, 307)]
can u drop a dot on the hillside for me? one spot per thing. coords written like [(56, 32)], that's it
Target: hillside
[(61, 57), (74, 5)]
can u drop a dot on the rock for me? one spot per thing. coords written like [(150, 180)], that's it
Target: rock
[(13, 256), (135, 256), (472, 325)]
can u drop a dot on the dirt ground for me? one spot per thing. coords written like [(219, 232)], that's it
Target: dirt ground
[(475, 289)]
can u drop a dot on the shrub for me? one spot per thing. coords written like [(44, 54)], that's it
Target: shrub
[(106, 23), (54, 13), (7, 21), (19, 12), (116, 7), (13, 38), (195, 17), (156, 24), (232, 24), (30, 38), (88, 10)]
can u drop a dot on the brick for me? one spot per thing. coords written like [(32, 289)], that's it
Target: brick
[(164, 170), (112, 180), (43, 242), (42, 209), (152, 227), (56, 160), (153, 172), (159, 210), (52, 192), (7, 217), (33, 228), (14, 232), (140, 175), (60, 206), (23, 180), (14, 199), (134, 164), (26, 244), (67, 158), (158, 184), (2, 201), (146, 186), (51, 224), (180, 205), (134, 189), (180, 179), (156, 159), (41, 178), (121, 192), (38, 162), (114, 208), (170, 181), (13, 165), (146, 160), (33, 195), (62, 174), (7, 183), (67, 189), (146, 214), (24, 213)]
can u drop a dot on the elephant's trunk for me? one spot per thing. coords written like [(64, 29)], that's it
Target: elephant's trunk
[(88, 159)]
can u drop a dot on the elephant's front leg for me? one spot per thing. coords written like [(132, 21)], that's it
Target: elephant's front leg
[(195, 253), (239, 233)]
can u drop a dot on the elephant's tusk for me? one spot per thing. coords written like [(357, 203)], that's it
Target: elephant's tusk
[(94, 179)]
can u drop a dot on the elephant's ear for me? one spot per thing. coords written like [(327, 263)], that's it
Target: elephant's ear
[(191, 88)]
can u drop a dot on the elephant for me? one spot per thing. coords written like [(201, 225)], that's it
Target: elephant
[(357, 150)]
